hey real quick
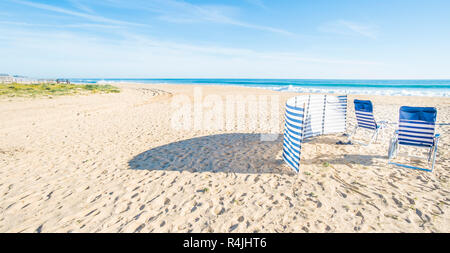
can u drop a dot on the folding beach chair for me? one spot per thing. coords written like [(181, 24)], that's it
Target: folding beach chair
[(416, 128), (365, 119)]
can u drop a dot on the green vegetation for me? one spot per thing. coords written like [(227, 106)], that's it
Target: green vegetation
[(326, 164), (53, 89)]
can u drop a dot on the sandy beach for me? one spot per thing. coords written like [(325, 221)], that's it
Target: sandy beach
[(113, 163)]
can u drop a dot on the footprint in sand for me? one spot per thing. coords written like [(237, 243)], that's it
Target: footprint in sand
[(233, 227), (397, 202)]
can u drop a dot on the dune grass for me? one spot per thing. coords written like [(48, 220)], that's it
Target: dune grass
[(53, 89)]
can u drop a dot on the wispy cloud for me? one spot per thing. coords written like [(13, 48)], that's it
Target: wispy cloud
[(217, 14), (91, 17), (145, 42), (139, 45), (168, 10), (81, 6), (257, 27), (176, 11), (345, 27), (75, 25), (258, 3)]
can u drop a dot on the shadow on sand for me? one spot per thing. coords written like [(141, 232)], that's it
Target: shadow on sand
[(348, 159), (236, 153)]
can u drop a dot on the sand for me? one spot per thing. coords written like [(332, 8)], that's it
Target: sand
[(113, 163)]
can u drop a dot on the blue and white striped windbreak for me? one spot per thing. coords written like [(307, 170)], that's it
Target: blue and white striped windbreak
[(416, 126), (293, 133), (335, 114), (308, 116), (364, 114)]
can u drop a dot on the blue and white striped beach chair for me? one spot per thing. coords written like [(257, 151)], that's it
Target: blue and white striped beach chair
[(366, 120), (416, 128)]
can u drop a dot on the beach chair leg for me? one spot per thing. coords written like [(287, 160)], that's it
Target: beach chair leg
[(397, 149), (381, 126), (353, 133), (374, 137), (430, 154), (435, 147), (434, 159)]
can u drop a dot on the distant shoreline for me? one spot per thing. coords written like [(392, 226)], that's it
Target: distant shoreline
[(427, 88)]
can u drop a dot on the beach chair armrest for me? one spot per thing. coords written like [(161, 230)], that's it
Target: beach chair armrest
[(381, 124), (436, 140)]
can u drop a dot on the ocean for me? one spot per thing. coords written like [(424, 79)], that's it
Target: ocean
[(438, 88)]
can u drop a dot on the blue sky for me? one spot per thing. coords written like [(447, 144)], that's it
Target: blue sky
[(353, 39)]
